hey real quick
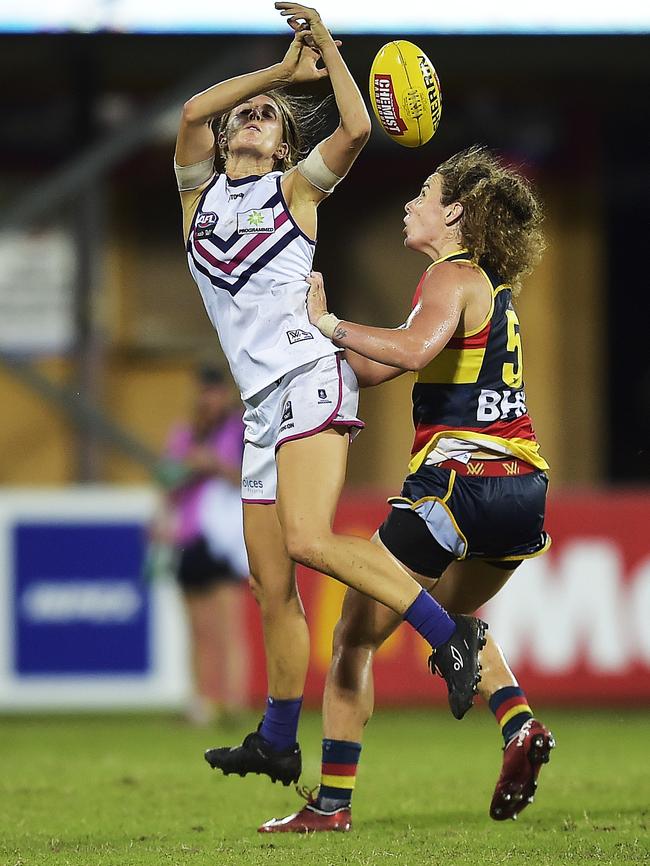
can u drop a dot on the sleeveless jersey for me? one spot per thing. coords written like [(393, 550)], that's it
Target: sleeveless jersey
[(471, 395), (250, 259)]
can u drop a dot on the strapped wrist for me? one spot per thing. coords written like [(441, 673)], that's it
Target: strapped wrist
[(327, 324)]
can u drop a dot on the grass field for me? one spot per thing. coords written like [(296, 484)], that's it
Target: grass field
[(124, 790)]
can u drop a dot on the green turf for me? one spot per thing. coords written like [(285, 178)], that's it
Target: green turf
[(124, 790)]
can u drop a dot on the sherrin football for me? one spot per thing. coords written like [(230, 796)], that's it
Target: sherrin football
[(405, 93)]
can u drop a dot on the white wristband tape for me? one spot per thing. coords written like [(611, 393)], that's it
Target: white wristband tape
[(190, 177), (327, 324)]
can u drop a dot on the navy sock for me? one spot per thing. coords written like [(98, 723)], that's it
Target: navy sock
[(430, 619), (280, 722), (338, 774)]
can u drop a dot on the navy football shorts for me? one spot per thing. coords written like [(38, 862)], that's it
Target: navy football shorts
[(442, 516)]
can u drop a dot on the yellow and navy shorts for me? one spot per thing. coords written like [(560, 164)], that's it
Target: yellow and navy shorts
[(491, 510)]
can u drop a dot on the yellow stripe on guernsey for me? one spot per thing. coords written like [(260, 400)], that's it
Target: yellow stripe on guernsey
[(453, 367), (459, 366), (338, 781), (514, 711), (524, 449)]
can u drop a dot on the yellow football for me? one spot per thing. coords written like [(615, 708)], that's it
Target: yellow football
[(405, 93)]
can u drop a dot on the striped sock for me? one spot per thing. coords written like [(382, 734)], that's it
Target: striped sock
[(511, 709), (338, 774), (280, 723)]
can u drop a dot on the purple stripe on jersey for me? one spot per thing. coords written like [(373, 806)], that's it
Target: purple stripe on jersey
[(229, 267), (235, 287), (224, 244), (258, 501), (326, 423), (240, 181)]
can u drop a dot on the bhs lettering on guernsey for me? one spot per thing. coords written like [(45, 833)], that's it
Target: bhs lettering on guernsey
[(235, 195), (298, 336), (495, 405), (252, 483), (288, 426)]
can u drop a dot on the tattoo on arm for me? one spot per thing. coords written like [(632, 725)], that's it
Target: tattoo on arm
[(339, 333)]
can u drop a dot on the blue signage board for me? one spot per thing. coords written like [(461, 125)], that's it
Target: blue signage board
[(79, 605)]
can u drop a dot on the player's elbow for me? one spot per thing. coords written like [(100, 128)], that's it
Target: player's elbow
[(359, 133), (191, 114), (417, 357)]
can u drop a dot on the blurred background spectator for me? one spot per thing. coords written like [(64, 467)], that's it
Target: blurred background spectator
[(201, 522)]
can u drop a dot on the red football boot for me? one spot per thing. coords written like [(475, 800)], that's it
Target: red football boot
[(310, 819), (522, 760)]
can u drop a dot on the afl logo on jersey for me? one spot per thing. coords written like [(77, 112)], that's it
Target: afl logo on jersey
[(205, 223), (256, 220)]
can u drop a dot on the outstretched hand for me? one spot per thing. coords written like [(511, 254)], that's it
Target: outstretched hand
[(305, 18), (299, 63), (311, 36), (316, 298)]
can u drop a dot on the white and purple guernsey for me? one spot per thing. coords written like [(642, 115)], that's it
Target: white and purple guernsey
[(250, 261)]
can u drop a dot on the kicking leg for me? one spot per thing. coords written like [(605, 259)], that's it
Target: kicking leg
[(311, 473)]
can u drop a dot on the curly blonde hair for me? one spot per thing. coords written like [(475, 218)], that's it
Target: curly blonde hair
[(298, 113), (501, 218)]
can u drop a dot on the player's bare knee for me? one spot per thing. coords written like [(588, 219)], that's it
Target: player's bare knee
[(306, 548), (353, 635), (271, 592), (278, 604)]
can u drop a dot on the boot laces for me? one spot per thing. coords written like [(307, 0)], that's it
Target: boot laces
[(307, 793), (433, 667)]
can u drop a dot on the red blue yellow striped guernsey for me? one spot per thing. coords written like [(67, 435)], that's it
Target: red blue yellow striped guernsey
[(473, 390)]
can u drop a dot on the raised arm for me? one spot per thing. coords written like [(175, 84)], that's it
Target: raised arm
[(411, 347), (340, 149)]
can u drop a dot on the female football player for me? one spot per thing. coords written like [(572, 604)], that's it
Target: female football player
[(250, 233), (476, 492)]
